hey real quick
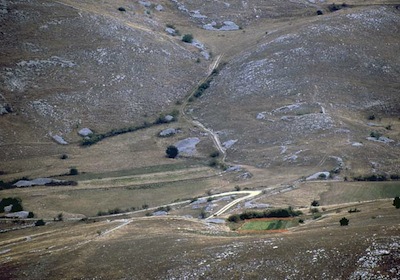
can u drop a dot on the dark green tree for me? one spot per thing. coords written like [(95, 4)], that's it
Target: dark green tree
[(40, 223), (172, 151), (396, 202), (187, 38), (73, 171), (344, 221)]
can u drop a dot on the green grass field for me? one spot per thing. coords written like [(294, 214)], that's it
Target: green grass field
[(268, 224)]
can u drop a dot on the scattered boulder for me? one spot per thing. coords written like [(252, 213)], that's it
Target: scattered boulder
[(235, 168), (36, 182), (146, 4), (381, 139), (245, 176), (187, 146), (85, 132), (228, 144), (160, 213), (216, 221), (169, 118), (205, 54), (261, 116), (168, 132), (59, 139), (357, 144), (170, 31), (318, 175), (8, 208), (19, 215), (5, 109), (227, 26), (159, 8), (251, 205), (197, 14)]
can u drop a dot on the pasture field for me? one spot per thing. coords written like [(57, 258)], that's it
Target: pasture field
[(268, 224)]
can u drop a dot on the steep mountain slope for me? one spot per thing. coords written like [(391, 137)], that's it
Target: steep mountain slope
[(311, 92), (64, 68)]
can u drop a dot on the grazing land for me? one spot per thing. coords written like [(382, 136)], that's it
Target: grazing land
[(266, 105)]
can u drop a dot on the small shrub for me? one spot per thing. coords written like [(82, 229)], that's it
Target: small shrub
[(145, 206), (214, 154), (396, 202), (64, 156), (234, 218), (203, 214), (121, 9), (31, 215), (375, 134), (237, 188), (355, 210), (172, 151), (101, 213), (40, 223), (315, 203), (59, 217), (344, 221), (73, 171), (319, 12), (301, 221), (371, 117), (209, 199), (187, 38), (213, 163), (322, 176), (169, 25), (314, 210)]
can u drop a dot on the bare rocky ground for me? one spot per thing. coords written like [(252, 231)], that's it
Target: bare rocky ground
[(298, 96)]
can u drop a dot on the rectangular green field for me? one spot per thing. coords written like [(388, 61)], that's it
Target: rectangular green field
[(267, 224)]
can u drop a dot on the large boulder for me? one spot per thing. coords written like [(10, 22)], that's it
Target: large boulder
[(187, 146)]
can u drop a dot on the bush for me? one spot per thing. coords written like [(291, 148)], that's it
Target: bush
[(40, 223), (121, 9), (214, 154), (315, 203), (355, 210), (145, 206), (31, 215), (73, 171), (59, 217), (275, 213), (396, 202), (172, 151), (375, 134), (64, 156), (319, 13), (187, 38), (15, 201), (234, 218), (344, 221)]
